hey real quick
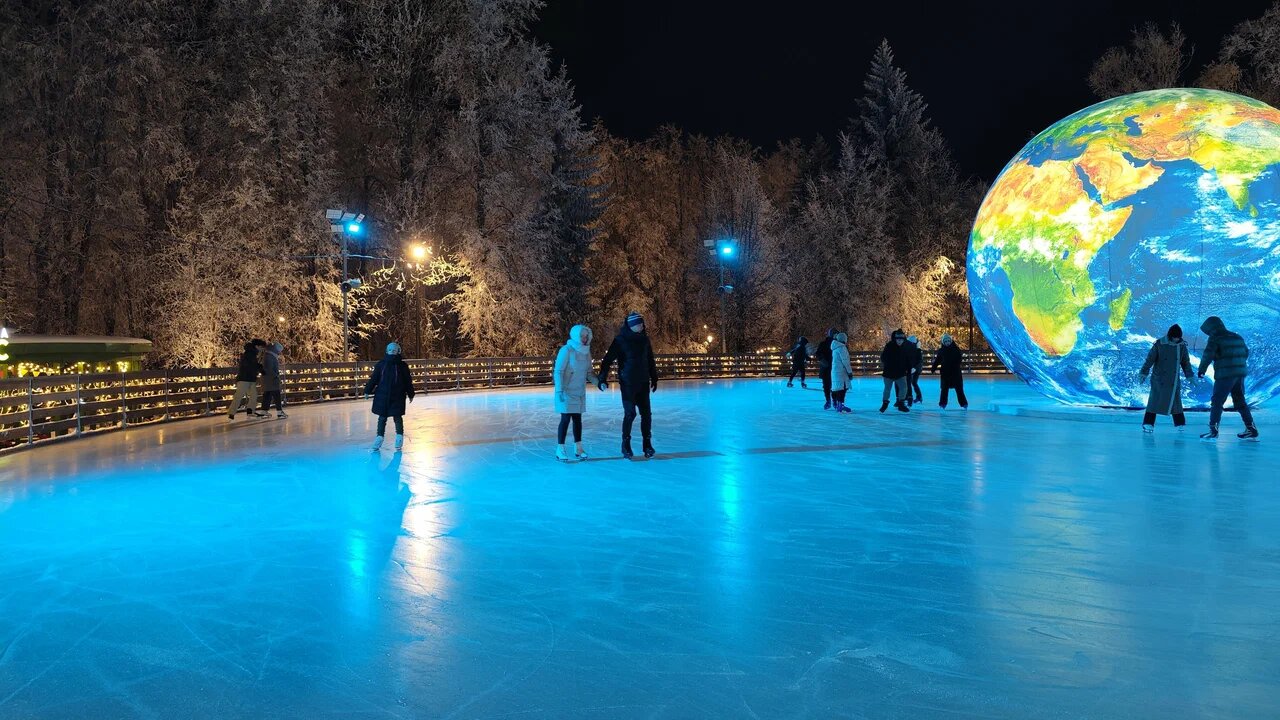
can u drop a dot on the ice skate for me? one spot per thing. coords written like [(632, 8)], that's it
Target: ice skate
[(1210, 436), (884, 406), (790, 384), (281, 415), (399, 442), (231, 417), (1148, 429), (804, 384), (626, 448), (826, 405), (1250, 433), (845, 408), (648, 449), (561, 454), (377, 443), (902, 407), (579, 452)]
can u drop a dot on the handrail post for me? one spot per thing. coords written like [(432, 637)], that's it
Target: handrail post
[(124, 404), (79, 408), (164, 393), (31, 427), (457, 374)]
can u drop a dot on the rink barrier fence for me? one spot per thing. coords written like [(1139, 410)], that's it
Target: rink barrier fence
[(40, 409)]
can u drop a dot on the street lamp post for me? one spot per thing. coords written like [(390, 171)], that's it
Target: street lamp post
[(724, 250), (344, 224)]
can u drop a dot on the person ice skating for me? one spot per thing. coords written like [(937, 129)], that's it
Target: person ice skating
[(1229, 355), (799, 356), (247, 381), (637, 378), (390, 384), (895, 363), (823, 354), (1166, 357), (916, 357), (271, 387), (951, 359), (841, 372), (571, 375)]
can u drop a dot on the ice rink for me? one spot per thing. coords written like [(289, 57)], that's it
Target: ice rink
[(774, 561)]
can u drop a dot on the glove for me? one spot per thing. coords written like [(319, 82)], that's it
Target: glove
[(653, 386), (1142, 378), (560, 398), (602, 385), (410, 400), (1199, 376)]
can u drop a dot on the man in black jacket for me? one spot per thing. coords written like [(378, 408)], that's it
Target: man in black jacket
[(637, 377), (895, 363), (823, 356), (247, 380)]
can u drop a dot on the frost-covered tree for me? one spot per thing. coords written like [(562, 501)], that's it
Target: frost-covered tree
[(1154, 59), (1249, 62)]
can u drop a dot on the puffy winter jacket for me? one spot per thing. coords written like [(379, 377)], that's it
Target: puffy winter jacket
[(1226, 351), (841, 370), (951, 358), (823, 353), (571, 374), (895, 360), (390, 384), (633, 352), (250, 368)]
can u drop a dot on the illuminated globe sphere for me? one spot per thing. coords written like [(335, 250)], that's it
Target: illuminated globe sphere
[(1143, 211)]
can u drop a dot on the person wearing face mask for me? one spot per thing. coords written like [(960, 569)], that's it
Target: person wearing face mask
[(390, 384), (637, 378), (895, 363), (951, 359), (571, 374)]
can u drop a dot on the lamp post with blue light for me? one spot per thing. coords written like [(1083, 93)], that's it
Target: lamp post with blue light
[(724, 250), (344, 225)]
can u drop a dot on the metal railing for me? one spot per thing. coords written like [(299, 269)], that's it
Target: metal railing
[(39, 409)]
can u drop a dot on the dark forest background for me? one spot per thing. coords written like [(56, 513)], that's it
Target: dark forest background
[(165, 166)]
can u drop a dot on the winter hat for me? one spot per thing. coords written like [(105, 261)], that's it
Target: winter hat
[(913, 340), (1175, 332), (898, 335), (258, 342), (842, 338), (278, 348), (831, 332), (946, 338), (393, 348), (635, 319)]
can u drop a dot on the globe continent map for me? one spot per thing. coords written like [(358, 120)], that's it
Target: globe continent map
[(1131, 215)]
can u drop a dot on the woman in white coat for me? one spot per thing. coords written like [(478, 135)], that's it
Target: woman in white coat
[(572, 374), (841, 372)]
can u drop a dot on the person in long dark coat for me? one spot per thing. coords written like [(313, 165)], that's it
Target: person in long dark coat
[(272, 387), (823, 356), (390, 384), (637, 376), (916, 356), (895, 363), (1166, 357), (799, 356), (247, 380), (951, 359)]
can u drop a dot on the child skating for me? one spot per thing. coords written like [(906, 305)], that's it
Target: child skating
[(390, 384)]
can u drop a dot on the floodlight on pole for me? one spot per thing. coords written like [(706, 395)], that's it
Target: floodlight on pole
[(726, 249)]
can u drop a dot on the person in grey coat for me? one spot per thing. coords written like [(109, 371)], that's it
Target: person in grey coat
[(271, 386), (571, 374), (1167, 356), (841, 372)]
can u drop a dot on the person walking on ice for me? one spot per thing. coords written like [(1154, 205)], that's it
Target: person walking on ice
[(637, 378), (841, 372), (271, 387), (951, 358), (1166, 357), (916, 358), (1229, 355), (894, 366), (390, 384), (572, 373), (823, 356), (799, 356), (247, 381)]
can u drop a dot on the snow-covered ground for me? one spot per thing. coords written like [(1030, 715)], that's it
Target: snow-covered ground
[(775, 561)]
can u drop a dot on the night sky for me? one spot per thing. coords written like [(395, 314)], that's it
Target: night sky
[(994, 73)]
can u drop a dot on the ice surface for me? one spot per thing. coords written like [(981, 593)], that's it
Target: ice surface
[(774, 562)]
